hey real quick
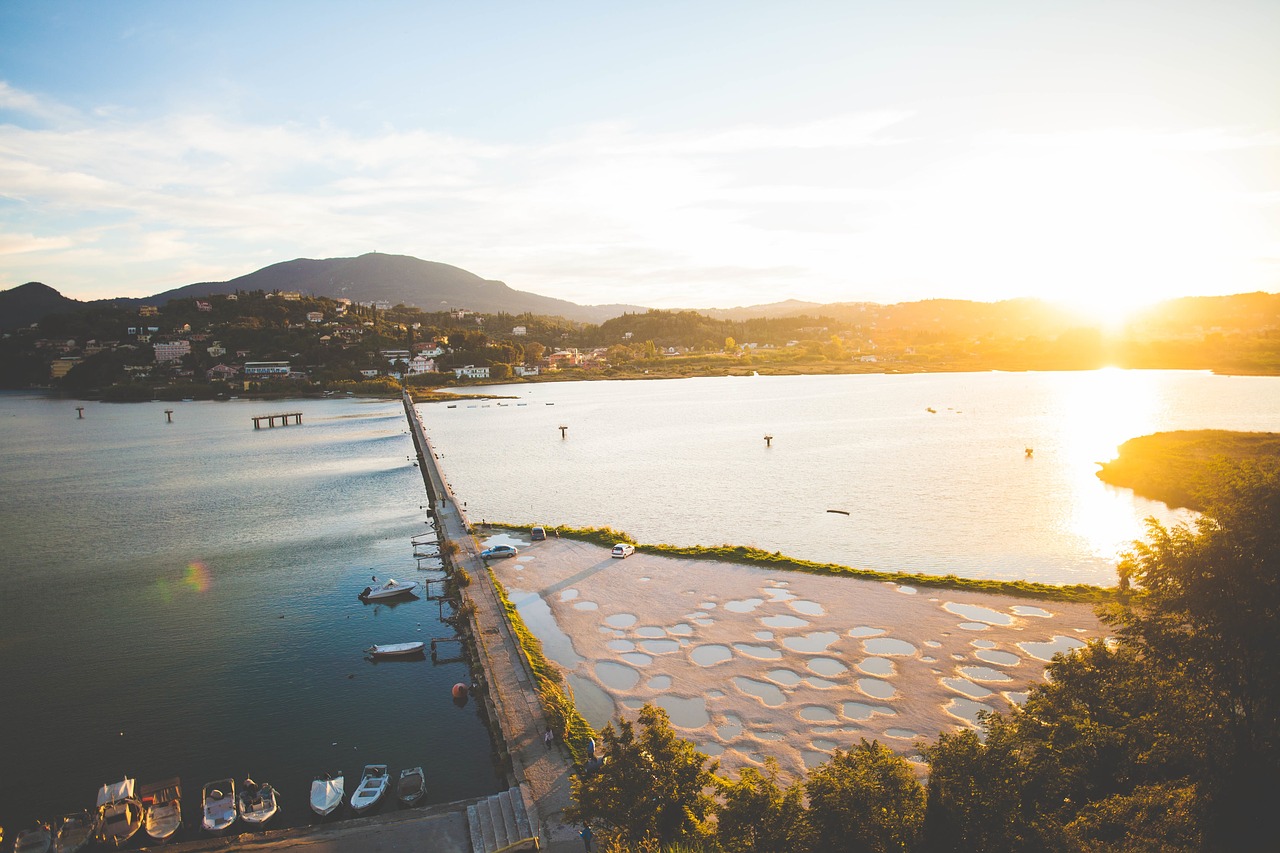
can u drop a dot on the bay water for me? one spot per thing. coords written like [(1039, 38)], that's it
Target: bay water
[(985, 475), (179, 599)]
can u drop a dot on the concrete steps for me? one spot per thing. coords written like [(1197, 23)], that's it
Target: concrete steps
[(498, 822)]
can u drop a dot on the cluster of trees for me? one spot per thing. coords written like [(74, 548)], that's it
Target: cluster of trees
[(1166, 738)]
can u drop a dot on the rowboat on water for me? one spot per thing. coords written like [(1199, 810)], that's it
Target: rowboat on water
[(218, 803), (73, 832), (373, 784), (119, 813), (163, 802), (394, 650), (258, 803), (412, 786)]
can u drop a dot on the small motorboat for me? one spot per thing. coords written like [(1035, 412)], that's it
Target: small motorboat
[(391, 589), (258, 803), (412, 787), (34, 840), (326, 793), (73, 832), (163, 802), (119, 813), (218, 806), (373, 785), (395, 650)]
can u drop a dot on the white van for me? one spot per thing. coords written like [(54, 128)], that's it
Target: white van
[(622, 549)]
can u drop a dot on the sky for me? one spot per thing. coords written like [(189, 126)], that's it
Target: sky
[(667, 154)]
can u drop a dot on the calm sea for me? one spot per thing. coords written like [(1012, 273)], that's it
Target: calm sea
[(931, 469), (180, 599)]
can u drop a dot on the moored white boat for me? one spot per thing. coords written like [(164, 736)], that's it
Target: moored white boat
[(218, 806), (412, 786), (391, 589), (373, 785), (119, 813), (163, 802), (34, 840), (326, 793), (73, 832), (258, 803), (392, 650)]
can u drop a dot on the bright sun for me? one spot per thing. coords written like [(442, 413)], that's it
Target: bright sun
[(1103, 229)]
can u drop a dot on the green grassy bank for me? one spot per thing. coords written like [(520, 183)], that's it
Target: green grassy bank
[(1179, 467), (607, 537), (562, 715)]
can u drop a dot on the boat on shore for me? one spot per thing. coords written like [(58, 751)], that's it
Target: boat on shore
[(73, 832), (258, 803), (326, 793), (396, 650), (391, 589), (218, 806), (373, 785), (163, 802), (412, 786), (119, 813)]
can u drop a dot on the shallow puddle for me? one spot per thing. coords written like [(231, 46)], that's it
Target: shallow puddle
[(819, 683), (983, 644), (984, 673), (877, 666), (966, 709), (659, 682), (826, 666), (637, 658), (620, 620), (876, 689), (760, 652), (763, 635), (785, 677), (650, 631), (621, 645), (710, 655), (778, 595), (933, 644), (784, 620), (863, 711), (680, 629), (907, 590), (685, 712), (659, 647), (811, 643), (813, 759), (536, 614), (864, 631), (711, 748), (1016, 697), (616, 675), (967, 688), (585, 605), (707, 605), (808, 608), (901, 734), (817, 714), (770, 694), (973, 626), (1025, 610), (997, 658), (592, 702), (568, 594), (730, 729), (1046, 651), (824, 744), (715, 694), (888, 646), (770, 736), (977, 613), (745, 605)]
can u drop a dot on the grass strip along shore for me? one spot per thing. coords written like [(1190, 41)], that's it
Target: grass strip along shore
[(745, 555), (558, 705)]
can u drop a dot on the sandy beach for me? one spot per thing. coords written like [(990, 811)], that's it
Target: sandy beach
[(753, 662)]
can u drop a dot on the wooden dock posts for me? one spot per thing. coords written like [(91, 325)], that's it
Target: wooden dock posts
[(271, 419)]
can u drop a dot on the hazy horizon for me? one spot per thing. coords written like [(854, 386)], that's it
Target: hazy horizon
[(671, 156)]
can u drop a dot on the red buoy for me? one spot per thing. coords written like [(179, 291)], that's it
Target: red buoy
[(460, 691)]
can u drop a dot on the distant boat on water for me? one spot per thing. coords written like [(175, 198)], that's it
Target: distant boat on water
[(391, 589)]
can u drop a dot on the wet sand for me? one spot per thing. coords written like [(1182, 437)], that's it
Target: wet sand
[(752, 662)]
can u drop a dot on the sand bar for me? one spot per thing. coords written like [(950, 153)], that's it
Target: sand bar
[(752, 662)]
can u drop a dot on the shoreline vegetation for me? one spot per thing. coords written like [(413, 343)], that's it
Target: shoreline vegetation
[(749, 556), (1181, 467)]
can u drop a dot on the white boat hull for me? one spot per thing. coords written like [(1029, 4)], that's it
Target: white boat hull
[(326, 794), (373, 786)]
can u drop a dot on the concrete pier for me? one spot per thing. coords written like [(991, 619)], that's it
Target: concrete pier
[(542, 774)]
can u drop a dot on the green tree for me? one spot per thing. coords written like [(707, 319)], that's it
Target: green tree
[(653, 784), (500, 371), (759, 816), (866, 800)]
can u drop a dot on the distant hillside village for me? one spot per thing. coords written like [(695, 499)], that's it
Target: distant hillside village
[(285, 342)]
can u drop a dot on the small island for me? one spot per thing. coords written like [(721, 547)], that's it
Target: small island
[(1176, 467)]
